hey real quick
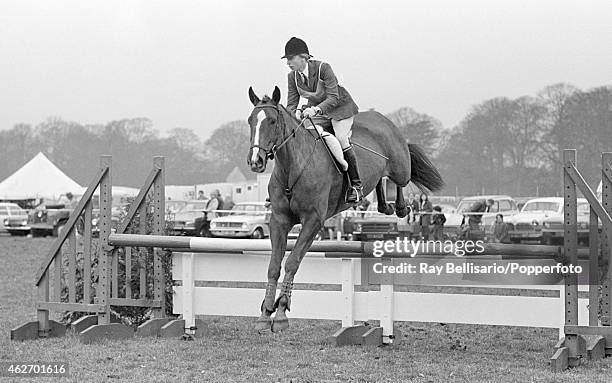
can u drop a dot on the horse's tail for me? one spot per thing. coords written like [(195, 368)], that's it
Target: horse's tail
[(423, 173)]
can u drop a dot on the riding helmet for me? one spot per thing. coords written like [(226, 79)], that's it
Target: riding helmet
[(295, 46)]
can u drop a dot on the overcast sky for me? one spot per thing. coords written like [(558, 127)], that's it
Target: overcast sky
[(189, 64)]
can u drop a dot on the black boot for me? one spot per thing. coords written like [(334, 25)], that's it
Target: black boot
[(355, 193)]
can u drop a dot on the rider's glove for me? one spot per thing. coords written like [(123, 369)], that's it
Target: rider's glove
[(311, 112), (298, 114)]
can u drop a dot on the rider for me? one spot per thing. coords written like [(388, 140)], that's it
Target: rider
[(327, 100)]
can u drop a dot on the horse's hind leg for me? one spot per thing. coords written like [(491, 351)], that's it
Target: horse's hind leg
[(383, 206), (401, 208)]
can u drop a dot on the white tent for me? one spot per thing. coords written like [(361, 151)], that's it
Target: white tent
[(39, 178)]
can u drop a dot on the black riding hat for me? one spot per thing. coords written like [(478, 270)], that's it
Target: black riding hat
[(295, 47)]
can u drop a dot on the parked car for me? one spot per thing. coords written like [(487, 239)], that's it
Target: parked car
[(503, 204), (246, 220), (371, 225), (13, 219), (186, 220), (527, 225), (48, 219), (552, 225)]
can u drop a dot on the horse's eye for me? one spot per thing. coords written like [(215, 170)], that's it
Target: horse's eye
[(272, 121)]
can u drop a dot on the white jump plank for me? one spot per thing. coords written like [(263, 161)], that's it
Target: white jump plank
[(254, 268)]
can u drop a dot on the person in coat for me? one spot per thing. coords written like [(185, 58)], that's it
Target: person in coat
[(438, 221), (500, 230), (315, 81), (425, 208)]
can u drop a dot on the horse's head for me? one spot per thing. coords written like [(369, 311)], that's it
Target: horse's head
[(267, 129)]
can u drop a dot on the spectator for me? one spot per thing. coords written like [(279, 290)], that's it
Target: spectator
[(438, 220), (500, 230), (425, 208), (474, 220), (414, 206), (201, 195), (215, 203)]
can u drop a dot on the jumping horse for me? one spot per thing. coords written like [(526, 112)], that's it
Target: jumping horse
[(305, 186)]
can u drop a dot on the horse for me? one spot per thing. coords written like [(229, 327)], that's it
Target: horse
[(307, 187)]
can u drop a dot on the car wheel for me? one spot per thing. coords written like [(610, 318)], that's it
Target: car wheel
[(258, 233)]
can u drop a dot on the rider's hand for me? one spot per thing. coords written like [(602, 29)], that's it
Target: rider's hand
[(298, 114), (311, 112)]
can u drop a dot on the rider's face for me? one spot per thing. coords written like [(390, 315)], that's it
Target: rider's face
[(296, 62)]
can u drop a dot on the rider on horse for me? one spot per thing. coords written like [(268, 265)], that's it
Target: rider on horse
[(327, 100)]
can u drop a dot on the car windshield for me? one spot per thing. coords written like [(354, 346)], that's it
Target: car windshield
[(194, 206), (465, 205), (174, 206), (247, 209), (541, 206)]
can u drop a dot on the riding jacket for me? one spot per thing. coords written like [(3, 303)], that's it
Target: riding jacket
[(322, 90)]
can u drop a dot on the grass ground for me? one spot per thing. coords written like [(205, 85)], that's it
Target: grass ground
[(232, 351)]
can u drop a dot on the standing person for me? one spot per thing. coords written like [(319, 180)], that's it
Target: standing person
[(500, 230), (438, 221), (474, 220), (327, 100), (413, 204), (425, 208), (214, 203)]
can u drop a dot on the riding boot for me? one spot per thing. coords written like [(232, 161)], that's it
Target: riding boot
[(355, 192)]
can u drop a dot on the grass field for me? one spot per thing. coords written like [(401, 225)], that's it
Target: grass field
[(232, 351)]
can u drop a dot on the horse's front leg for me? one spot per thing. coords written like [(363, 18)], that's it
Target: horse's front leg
[(279, 229), (310, 228)]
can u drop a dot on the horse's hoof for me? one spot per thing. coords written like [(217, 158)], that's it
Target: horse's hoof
[(381, 208), (279, 325), (401, 212), (389, 210), (263, 324)]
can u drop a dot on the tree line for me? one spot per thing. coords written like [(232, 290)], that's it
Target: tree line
[(502, 146)]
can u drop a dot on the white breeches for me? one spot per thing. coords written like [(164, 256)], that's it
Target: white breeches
[(343, 129)]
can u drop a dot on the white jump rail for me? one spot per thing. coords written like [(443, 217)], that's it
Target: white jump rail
[(346, 304)]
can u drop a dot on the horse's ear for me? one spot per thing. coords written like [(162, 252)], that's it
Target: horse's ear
[(254, 99), (276, 95)]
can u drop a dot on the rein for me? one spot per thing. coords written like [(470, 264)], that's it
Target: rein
[(271, 152)]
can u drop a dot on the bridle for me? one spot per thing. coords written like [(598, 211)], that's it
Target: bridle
[(271, 152)]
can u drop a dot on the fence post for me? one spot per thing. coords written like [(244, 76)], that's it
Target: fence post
[(606, 237), (348, 292), (159, 199), (106, 200)]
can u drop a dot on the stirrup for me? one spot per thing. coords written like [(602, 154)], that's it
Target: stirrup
[(358, 192)]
